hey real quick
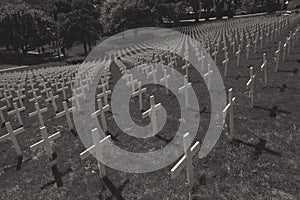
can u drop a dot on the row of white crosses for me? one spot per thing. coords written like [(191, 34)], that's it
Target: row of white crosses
[(189, 152), (251, 83), (15, 110), (288, 44), (50, 98)]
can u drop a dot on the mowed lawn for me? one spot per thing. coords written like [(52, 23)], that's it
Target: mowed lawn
[(262, 163)]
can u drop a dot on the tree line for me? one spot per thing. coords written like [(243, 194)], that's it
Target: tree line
[(64, 23)]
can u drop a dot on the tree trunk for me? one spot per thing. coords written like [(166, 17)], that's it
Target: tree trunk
[(219, 11), (85, 47), (90, 46), (197, 15), (229, 10), (24, 50), (207, 15)]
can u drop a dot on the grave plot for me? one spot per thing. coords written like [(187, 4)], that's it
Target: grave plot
[(256, 155)]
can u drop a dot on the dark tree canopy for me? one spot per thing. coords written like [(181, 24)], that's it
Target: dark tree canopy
[(24, 28)]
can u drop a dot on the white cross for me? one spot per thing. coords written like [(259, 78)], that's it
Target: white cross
[(264, 67), (261, 40), (277, 57), (208, 75), (96, 149), (201, 59), (225, 47), (20, 97), (186, 162), (132, 83), (284, 52), (104, 94), (171, 65), (71, 83), (100, 112), (67, 112), (46, 142), (45, 90), (33, 89), (3, 120), (12, 136), (38, 112), (55, 84), (233, 46), (35, 97), (7, 99), (152, 114), (215, 53), (139, 93), (238, 56), (153, 73), (247, 50), (185, 89), (225, 63), (76, 99), (81, 87), (186, 68), (63, 89), (125, 75), (165, 80), (229, 110), (52, 99), (255, 45), (17, 111), (250, 87)]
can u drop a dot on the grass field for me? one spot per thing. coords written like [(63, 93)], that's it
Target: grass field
[(263, 162)]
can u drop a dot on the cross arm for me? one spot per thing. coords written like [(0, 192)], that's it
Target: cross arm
[(53, 137), (175, 171), (87, 152), (4, 137)]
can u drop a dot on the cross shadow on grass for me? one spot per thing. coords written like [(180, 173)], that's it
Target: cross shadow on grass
[(62, 174), (273, 111), (260, 147), (116, 191), (295, 71), (19, 163)]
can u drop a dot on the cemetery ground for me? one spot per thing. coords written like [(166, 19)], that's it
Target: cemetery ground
[(263, 162)]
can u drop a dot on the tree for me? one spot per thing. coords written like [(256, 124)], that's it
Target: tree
[(207, 6), (82, 25), (25, 28), (60, 7), (128, 14), (196, 4), (170, 11), (219, 8)]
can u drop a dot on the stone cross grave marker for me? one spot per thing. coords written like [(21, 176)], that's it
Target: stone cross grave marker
[(17, 111), (186, 162), (3, 120), (152, 113), (67, 112), (185, 90), (139, 93), (250, 86), (101, 112), (96, 150), (38, 112), (11, 135), (51, 100), (229, 110), (264, 68), (46, 143)]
